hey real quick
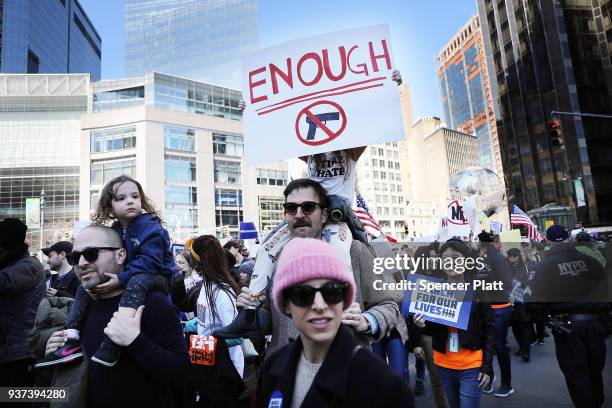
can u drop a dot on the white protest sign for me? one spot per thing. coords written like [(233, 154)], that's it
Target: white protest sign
[(458, 226), (320, 94)]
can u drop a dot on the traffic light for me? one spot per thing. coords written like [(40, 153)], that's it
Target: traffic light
[(554, 132)]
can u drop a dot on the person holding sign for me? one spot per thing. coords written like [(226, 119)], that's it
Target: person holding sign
[(216, 305), (325, 366), (463, 358)]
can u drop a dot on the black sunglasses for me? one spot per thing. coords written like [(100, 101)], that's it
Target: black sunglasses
[(303, 295), (308, 207), (90, 254)]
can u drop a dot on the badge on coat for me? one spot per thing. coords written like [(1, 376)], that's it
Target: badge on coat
[(276, 400)]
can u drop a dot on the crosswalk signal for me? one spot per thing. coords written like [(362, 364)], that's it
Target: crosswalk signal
[(554, 132)]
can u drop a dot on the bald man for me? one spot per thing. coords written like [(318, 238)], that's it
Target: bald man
[(155, 357)]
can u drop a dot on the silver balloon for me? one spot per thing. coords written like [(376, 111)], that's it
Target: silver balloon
[(484, 183)]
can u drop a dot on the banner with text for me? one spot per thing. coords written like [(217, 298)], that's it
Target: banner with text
[(320, 94), (447, 307)]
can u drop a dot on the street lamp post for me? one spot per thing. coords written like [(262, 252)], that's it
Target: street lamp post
[(42, 217)]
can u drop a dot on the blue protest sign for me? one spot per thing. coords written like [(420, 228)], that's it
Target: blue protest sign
[(248, 230), (438, 303)]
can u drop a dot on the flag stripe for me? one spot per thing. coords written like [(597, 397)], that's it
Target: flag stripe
[(373, 228)]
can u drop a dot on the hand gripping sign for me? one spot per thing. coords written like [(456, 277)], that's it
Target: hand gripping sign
[(447, 307), (320, 94)]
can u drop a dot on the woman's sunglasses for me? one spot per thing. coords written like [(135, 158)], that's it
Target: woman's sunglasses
[(90, 254), (308, 207), (303, 295)]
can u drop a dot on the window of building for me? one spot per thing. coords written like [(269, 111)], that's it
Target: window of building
[(178, 138), (181, 195), (374, 162), (227, 172), (381, 152), (228, 145), (227, 197), (395, 154), (103, 171), (113, 139), (271, 212), (179, 168), (272, 177), (229, 217), (397, 166), (389, 164), (383, 175), (401, 211), (376, 175)]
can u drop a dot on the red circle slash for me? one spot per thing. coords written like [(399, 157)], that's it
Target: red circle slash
[(330, 133)]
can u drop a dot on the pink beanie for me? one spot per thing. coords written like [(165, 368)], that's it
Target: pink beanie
[(303, 259)]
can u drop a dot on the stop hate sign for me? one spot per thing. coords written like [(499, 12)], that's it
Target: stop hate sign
[(320, 94)]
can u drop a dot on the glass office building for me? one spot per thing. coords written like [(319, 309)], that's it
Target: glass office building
[(465, 91), (196, 39), (183, 140), (54, 36), (553, 56), (40, 138)]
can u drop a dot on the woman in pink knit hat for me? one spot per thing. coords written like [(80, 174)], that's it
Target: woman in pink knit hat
[(324, 366)]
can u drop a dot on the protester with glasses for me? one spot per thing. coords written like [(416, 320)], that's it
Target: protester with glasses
[(374, 312), (150, 264), (324, 366), (155, 357)]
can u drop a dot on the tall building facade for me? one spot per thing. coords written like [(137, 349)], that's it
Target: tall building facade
[(437, 154), (200, 40), (466, 94), (553, 56), (183, 140), (48, 37), (40, 127)]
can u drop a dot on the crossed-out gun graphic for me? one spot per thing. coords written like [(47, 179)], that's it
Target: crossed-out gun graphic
[(323, 117)]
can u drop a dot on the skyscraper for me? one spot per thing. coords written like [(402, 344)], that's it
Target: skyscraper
[(466, 93), (201, 40), (546, 56), (48, 37)]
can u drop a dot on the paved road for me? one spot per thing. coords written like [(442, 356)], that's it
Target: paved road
[(538, 383)]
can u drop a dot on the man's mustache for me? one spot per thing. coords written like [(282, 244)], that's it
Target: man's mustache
[(301, 223)]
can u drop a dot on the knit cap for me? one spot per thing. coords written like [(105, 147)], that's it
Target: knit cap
[(303, 259)]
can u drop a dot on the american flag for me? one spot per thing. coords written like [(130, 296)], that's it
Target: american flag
[(519, 217), (362, 212)]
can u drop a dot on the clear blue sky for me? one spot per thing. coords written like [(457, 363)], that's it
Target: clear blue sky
[(419, 29)]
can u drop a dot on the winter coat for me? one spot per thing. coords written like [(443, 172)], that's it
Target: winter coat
[(148, 248), (349, 377), (22, 286), (479, 335), (51, 316)]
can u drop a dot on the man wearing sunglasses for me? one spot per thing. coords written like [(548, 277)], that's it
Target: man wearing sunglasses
[(155, 359), (371, 316)]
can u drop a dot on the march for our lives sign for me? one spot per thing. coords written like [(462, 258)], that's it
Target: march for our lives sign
[(447, 307)]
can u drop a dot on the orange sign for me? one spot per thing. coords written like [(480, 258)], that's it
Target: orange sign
[(202, 349)]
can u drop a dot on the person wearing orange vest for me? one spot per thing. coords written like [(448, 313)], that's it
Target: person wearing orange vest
[(463, 358)]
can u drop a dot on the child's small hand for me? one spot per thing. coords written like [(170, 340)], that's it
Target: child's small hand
[(109, 286)]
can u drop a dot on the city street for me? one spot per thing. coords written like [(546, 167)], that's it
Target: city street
[(538, 383)]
